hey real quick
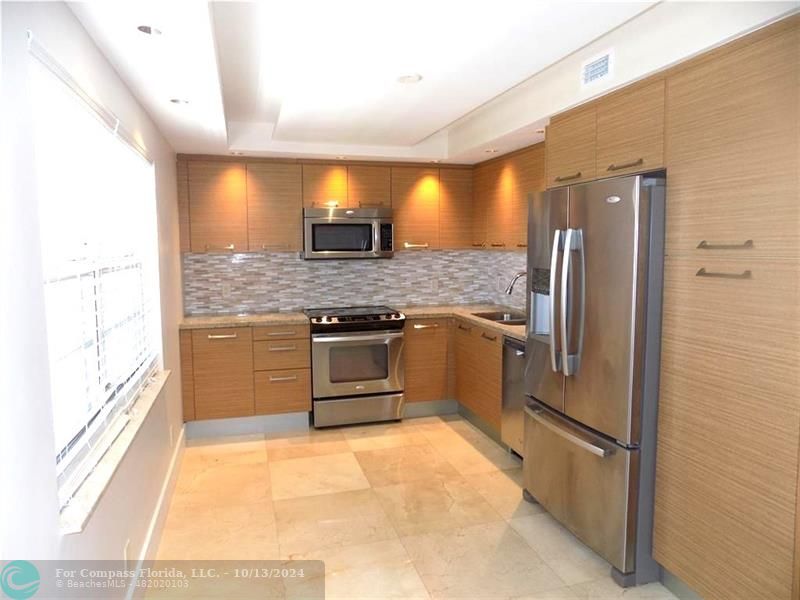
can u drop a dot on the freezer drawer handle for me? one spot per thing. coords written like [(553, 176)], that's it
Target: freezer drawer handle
[(704, 245), (743, 275), (541, 418), (568, 177), (573, 242), (627, 165), (555, 353)]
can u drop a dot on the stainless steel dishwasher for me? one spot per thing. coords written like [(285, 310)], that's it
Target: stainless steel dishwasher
[(512, 421)]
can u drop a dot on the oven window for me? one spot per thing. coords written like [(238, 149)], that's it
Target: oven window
[(342, 237), (359, 363)]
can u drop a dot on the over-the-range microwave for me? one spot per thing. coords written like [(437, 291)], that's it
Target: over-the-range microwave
[(348, 233)]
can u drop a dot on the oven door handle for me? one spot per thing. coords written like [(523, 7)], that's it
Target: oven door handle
[(378, 337)]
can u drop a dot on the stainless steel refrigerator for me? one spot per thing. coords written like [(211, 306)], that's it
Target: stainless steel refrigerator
[(595, 264)]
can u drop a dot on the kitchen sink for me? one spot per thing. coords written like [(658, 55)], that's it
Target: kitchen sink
[(505, 317)]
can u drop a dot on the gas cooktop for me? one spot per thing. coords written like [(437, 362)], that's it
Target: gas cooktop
[(354, 318)]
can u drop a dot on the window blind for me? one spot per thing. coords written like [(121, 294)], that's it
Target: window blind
[(99, 245)]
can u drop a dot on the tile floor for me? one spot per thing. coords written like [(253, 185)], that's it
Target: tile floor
[(426, 508)]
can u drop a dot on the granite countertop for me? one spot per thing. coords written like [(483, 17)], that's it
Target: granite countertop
[(461, 311)]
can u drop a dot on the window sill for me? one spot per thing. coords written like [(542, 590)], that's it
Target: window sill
[(76, 514)]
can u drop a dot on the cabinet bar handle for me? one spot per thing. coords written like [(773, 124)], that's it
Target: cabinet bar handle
[(628, 165), (411, 245), (522, 245), (491, 338), (568, 177), (743, 275), (478, 245), (276, 333), (223, 336), (462, 328), (498, 245), (704, 245), (418, 326), (228, 247), (279, 379), (282, 348)]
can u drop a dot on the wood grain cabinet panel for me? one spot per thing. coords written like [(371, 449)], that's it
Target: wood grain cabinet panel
[(182, 176), (217, 206), (482, 185), (732, 142), (729, 426), (570, 147), (498, 209), (368, 186), (274, 207), (426, 347), (282, 354), (282, 391), (415, 203), (528, 169), (455, 208), (187, 375), (282, 332), (630, 130), (324, 185), (223, 372), (479, 371)]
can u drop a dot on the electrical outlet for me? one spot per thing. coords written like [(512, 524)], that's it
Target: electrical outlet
[(226, 290), (125, 552)]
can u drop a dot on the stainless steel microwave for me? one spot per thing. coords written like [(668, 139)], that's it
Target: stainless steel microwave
[(348, 233)]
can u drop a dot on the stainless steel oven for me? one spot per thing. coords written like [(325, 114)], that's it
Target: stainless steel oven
[(356, 365), (348, 233)]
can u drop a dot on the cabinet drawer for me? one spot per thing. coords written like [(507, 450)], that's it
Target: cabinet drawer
[(283, 391), (281, 332), (728, 431), (223, 372), (281, 354)]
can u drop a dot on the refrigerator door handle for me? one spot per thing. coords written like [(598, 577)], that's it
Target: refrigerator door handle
[(555, 355), (573, 242), (539, 415)]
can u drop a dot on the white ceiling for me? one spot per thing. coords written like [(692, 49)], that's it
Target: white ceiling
[(317, 78)]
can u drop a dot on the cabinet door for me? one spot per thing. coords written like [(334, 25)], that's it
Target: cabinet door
[(528, 169), (223, 372), (455, 208), (426, 360), (182, 175), (187, 375), (487, 348), (324, 186), (369, 187), (570, 147), (498, 208), (630, 130), (415, 200), (732, 142), (466, 365), (217, 206), (482, 185), (274, 206), (728, 426)]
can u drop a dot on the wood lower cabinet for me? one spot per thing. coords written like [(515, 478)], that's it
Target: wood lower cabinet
[(571, 147), (324, 186), (415, 203), (426, 353), (187, 375), (281, 354), (217, 206), (223, 372), (479, 371), (274, 207), (282, 332), (282, 391), (368, 186), (455, 208), (630, 130)]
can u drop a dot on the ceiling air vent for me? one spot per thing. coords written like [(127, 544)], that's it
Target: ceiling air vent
[(597, 68)]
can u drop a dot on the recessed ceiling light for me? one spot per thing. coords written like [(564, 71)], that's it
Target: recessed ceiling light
[(149, 30), (490, 150), (412, 78), (178, 101)]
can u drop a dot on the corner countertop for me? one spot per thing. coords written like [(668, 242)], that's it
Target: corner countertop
[(460, 311)]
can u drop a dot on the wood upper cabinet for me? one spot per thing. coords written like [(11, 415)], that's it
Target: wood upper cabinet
[(492, 211), (630, 130), (455, 208), (184, 230), (426, 347), (570, 147), (729, 426), (324, 184), (217, 206), (479, 371), (368, 186), (223, 372), (482, 185), (415, 200), (528, 169), (732, 143), (274, 206)]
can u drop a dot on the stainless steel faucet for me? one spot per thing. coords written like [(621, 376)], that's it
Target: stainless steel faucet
[(510, 287)]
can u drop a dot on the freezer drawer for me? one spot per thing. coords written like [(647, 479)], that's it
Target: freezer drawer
[(584, 481)]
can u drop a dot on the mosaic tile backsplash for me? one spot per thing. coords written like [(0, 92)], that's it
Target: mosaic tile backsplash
[(282, 281)]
